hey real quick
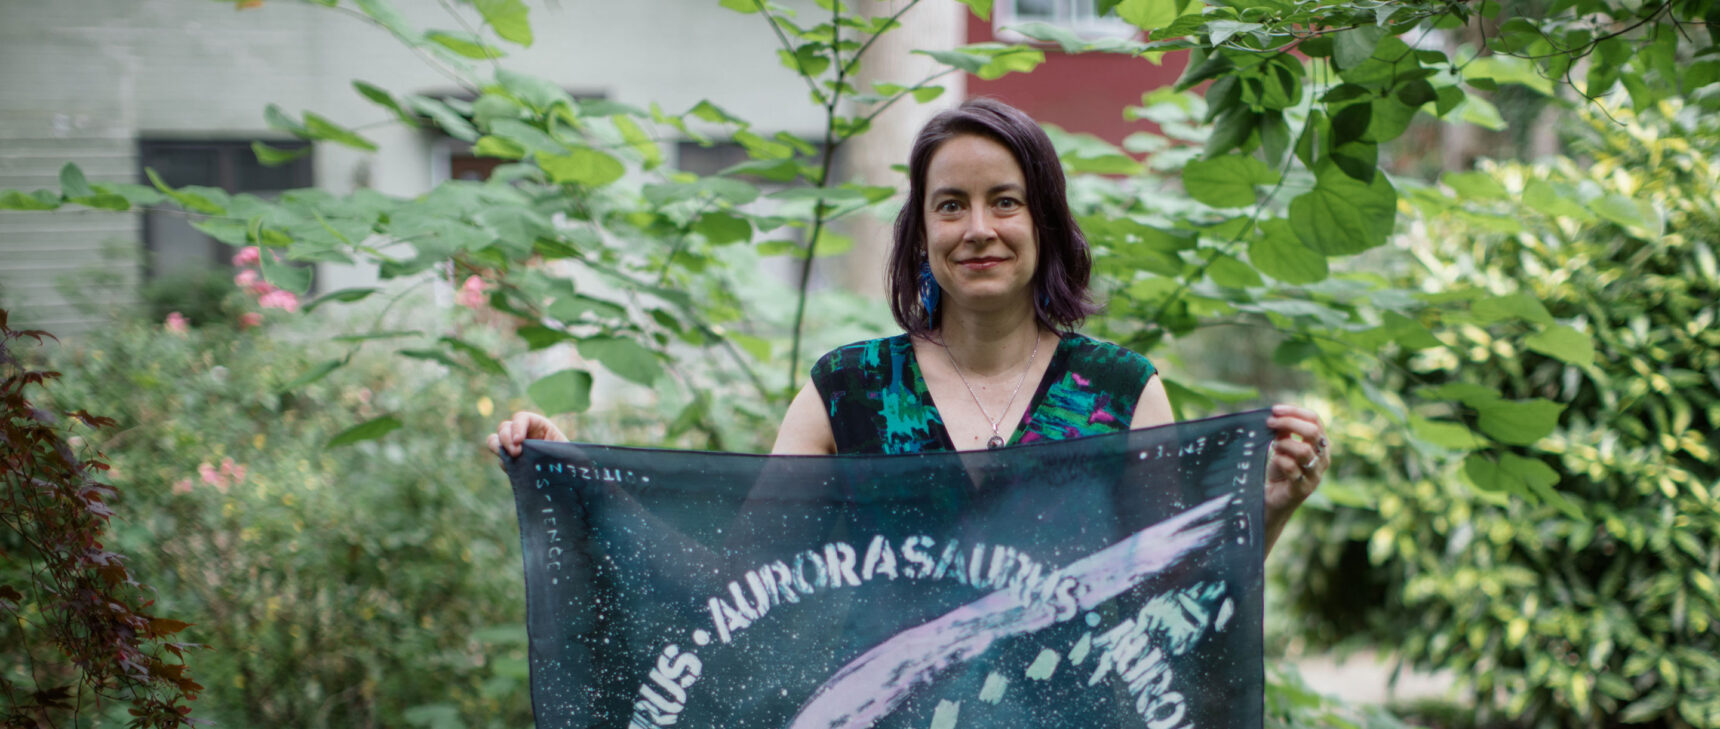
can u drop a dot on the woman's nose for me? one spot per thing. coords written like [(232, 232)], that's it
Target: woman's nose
[(979, 225)]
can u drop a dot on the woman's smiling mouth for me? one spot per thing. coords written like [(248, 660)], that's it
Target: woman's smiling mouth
[(980, 264)]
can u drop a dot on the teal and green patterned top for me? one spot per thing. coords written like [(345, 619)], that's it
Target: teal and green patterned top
[(878, 402)]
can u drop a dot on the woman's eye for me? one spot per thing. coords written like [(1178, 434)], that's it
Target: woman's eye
[(948, 206), (1008, 203)]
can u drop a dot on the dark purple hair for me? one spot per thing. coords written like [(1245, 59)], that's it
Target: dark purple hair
[(1060, 299)]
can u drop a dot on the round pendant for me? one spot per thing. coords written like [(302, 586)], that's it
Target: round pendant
[(995, 442)]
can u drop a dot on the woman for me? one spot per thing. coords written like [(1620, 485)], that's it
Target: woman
[(988, 277)]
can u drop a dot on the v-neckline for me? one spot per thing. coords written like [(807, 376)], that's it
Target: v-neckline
[(936, 423)]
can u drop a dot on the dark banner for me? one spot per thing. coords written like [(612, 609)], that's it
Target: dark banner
[(1112, 581)]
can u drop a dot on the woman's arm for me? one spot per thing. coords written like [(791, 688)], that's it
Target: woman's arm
[(805, 429), (1154, 407)]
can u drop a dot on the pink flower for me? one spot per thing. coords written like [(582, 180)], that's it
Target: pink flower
[(208, 474), (176, 323), (247, 256), (278, 299), (182, 486), (231, 470), (251, 282), (471, 293), (250, 319)]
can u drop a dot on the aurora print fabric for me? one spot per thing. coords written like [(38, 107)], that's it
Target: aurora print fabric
[(1110, 581)]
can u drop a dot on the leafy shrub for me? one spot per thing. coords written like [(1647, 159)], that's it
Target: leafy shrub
[(203, 297), (60, 586), (1572, 581), (376, 584)]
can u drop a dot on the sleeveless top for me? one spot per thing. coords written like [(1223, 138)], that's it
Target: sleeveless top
[(878, 402)]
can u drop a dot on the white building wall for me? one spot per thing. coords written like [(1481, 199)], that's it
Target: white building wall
[(83, 80)]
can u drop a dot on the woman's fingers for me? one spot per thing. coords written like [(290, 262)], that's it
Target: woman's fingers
[(511, 434)]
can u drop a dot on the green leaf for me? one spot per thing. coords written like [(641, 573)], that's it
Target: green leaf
[(316, 372), (1480, 112), (807, 60), (714, 114), (1150, 14), (463, 44), (1563, 343), (1617, 209), (385, 15), (486, 362), (1519, 422), (1352, 47), (38, 200), (924, 94), (1478, 186), (367, 430), (1528, 478), (624, 357), (277, 119), (1342, 216), (73, 183), (538, 93), (1445, 434), (498, 147), (1015, 59), (1389, 120), (509, 18), (1230, 131), (450, 121), (373, 336), (723, 228), (1228, 181), (275, 157), (758, 347), (287, 276), (1232, 274), (1360, 161), (345, 296), (320, 128), (980, 8), (583, 166), (1495, 309), (189, 200), (538, 336), (1507, 69), (567, 391), (1278, 253), (650, 154)]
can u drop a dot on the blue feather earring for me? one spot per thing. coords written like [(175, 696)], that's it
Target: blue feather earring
[(929, 293)]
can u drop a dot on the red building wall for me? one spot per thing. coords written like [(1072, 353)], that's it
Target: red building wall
[(1080, 93)]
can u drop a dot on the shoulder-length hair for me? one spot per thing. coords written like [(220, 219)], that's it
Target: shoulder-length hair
[(1060, 298)]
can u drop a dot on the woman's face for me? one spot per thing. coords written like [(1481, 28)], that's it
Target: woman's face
[(980, 238)]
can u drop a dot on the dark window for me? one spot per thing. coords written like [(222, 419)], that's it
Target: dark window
[(172, 245)]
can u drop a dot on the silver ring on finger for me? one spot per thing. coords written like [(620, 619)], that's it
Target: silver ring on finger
[(1309, 466)]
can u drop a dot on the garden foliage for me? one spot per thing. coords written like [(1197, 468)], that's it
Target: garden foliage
[(80, 633), (370, 585), (1577, 585)]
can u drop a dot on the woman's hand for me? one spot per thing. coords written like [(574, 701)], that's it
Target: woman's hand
[(1301, 453), (512, 433)]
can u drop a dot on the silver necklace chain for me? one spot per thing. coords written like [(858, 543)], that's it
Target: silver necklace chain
[(996, 440)]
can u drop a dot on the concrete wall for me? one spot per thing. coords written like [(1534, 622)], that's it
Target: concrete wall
[(83, 80)]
